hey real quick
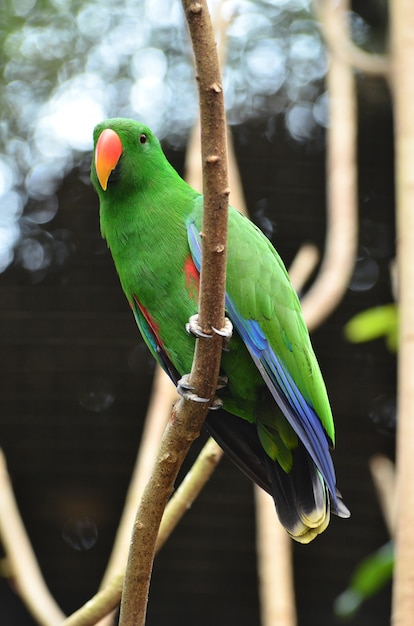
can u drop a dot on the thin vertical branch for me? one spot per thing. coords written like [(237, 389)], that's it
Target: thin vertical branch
[(341, 44), (214, 163), (341, 239), (402, 38), (275, 570), (187, 418), (383, 475), (274, 554)]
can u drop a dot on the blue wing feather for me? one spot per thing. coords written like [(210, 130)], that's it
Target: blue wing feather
[(298, 412)]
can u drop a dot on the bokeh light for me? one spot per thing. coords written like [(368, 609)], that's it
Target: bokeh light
[(80, 533), (69, 64)]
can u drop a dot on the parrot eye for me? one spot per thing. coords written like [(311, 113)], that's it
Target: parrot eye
[(143, 138)]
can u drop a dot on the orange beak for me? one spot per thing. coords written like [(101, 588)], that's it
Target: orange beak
[(107, 154)]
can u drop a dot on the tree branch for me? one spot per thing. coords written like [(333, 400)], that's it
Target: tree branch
[(402, 39), (274, 562), (23, 564), (108, 598), (332, 18), (187, 417), (341, 237), (383, 475)]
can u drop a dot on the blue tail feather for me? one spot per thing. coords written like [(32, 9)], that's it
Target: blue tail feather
[(298, 412)]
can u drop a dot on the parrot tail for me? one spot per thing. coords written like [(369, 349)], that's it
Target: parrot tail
[(301, 497)]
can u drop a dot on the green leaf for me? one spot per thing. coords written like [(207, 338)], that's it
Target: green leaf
[(369, 577), (381, 321)]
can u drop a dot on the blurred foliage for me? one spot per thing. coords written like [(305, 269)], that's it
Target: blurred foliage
[(381, 321), (377, 569), (368, 579)]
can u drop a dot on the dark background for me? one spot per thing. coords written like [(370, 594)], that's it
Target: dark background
[(75, 381)]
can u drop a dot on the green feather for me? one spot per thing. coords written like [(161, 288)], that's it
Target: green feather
[(144, 212)]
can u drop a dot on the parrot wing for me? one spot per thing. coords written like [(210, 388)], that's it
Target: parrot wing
[(297, 410), (238, 438)]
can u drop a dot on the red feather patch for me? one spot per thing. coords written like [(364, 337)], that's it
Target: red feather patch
[(153, 325), (192, 277)]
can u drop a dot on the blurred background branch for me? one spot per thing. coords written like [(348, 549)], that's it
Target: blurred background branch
[(402, 45), (334, 19), (22, 563), (341, 242)]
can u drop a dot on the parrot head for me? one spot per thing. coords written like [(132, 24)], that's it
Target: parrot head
[(125, 152)]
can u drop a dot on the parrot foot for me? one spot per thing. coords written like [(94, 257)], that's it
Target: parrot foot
[(227, 331), (187, 391), (194, 328), (222, 382), (217, 404)]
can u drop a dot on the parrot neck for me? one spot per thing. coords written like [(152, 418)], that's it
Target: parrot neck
[(146, 232), (141, 212)]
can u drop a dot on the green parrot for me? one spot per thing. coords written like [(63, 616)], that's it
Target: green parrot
[(275, 422)]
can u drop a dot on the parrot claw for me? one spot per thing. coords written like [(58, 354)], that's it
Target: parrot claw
[(222, 382), (227, 331), (217, 404), (193, 328), (187, 391)]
